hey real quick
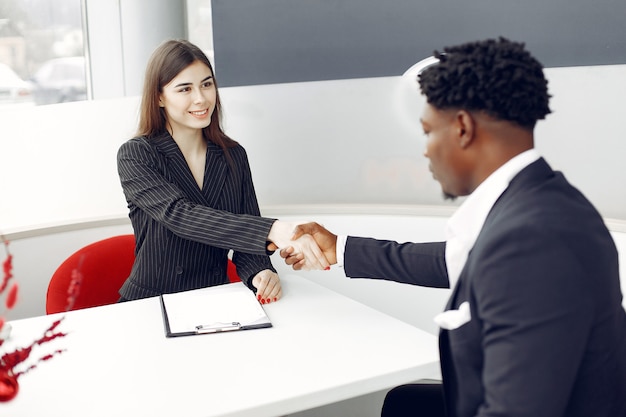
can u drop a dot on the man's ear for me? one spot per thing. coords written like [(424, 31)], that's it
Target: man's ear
[(465, 127)]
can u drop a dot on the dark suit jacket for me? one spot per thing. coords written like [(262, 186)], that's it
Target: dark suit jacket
[(183, 233), (547, 335)]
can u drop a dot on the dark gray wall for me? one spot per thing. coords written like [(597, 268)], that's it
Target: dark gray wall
[(279, 41)]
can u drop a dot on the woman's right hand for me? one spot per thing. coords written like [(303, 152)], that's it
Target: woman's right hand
[(282, 235)]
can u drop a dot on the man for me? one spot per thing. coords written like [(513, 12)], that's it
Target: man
[(534, 325)]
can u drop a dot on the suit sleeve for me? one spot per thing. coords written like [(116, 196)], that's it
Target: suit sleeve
[(146, 187), (410, 263)]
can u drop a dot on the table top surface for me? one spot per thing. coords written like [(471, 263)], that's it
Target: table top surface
[(323, 347)]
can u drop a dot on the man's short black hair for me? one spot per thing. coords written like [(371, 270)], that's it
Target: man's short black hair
[(498, 77)]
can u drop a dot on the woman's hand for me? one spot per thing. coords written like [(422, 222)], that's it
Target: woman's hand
[(268, 288), (305, 232), (303, 245)]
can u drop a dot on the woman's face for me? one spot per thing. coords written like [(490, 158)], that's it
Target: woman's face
[(189, 99)]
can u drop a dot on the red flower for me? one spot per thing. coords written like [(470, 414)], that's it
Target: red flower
[(10, 360)]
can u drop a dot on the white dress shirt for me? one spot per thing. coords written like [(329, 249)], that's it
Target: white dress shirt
[(467, 221), (465, 224)]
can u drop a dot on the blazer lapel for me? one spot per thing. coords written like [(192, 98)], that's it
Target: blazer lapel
[(179, 173), (215, 174), (452, 300), (535, 173)]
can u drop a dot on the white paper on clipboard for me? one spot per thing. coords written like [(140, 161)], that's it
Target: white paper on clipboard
[(212, 310)]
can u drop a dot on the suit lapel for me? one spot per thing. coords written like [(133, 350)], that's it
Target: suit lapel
[(452, 304), (178, 171), (535, 173), (215, 173)]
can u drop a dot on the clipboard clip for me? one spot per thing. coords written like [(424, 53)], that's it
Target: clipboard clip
[(218, 327)]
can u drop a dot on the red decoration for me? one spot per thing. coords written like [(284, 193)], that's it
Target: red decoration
[(8, 387), (9, 375), (7, 268), (12, 297)]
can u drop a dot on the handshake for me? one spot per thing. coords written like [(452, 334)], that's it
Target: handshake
[(304, 246)]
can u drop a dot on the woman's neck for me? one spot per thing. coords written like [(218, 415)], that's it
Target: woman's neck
[(193, 148), (191, 142)]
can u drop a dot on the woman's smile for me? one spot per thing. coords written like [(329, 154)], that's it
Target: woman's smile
[(200, 114)]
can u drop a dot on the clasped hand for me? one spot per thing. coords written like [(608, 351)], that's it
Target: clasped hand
[(308, 246)]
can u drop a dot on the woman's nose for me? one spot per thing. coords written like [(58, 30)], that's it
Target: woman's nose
[(198, 96)]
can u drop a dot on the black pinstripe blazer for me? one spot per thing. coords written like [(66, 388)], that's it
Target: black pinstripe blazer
[(183, 234)]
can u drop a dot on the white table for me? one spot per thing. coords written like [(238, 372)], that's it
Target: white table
[(323, 347)]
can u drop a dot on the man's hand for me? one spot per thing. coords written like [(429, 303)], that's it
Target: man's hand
[(326, 241), (286, 235)]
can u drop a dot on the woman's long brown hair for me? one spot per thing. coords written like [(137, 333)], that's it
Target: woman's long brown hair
[(166, 62)]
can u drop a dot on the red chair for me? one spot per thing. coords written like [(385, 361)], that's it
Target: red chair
[(104, 265), (231, 271)]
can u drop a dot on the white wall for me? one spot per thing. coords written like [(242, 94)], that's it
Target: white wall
[(59, 163), (329, 142), (359, 140)]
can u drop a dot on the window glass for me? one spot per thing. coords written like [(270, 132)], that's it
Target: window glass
[(200, 26), (41, 52)]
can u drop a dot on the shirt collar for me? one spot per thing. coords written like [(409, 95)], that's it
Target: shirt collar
[(469, 218)]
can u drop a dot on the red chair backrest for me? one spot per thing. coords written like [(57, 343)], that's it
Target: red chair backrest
[(231, 271), (104, 265)]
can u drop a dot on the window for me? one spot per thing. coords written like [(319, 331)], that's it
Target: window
[(41, 44), (200, 26)]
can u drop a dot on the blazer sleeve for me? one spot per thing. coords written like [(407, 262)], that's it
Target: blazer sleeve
[(410, 263), (142, 177), (248, 265)]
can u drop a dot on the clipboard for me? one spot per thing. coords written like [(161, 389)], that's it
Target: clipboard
[(222, 308)]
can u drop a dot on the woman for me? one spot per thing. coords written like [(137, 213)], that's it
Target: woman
[(189, 188)]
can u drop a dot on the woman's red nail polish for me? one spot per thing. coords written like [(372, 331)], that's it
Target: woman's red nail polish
[(327, 268), (275, 299), (263, 301), (258, 297)]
